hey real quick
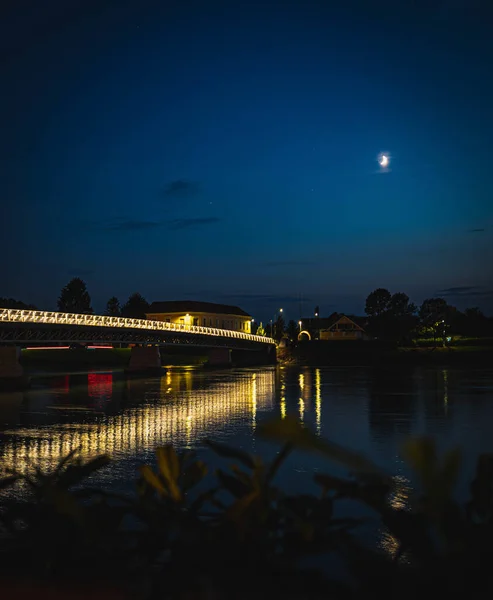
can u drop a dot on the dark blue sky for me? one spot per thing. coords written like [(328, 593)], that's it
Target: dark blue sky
[(227, 151)]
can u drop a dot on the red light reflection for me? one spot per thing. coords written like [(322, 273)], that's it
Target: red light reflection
[(100, 387)]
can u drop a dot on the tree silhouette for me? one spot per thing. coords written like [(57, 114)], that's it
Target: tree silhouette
[(377, 303), (400, 318), (260, 329), (391, 316), (475, 323), (399, 306), (292, 330), (279, 327), (434, 314), (74, 297), (433, 309), (135, 307), (113, 307), (11, 303)]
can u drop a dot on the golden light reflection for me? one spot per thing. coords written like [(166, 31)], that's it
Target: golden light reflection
[(283, 407), (189, 430), (152, 418), (282, 387), (445, 389), (398, 500), (318, 401), (301, 403), (254, 401), (302, 409)]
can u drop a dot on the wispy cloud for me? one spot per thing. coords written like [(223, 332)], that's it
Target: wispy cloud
[(133, 225), (464, 291), (476, 230), (177, 224), (180, 188)]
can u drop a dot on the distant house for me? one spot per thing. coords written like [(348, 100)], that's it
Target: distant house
[(206, 314), (336, 327)]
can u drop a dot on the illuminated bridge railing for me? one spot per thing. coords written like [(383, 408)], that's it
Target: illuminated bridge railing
[(11, 315)]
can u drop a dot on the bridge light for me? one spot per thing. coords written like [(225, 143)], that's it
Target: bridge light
[(45, 317)]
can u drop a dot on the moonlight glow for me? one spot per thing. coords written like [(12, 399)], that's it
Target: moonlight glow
[(384, 160)]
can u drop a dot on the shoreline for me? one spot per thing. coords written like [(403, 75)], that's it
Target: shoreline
[(317, 355)]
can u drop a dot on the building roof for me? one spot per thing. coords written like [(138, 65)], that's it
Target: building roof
[(322, 323), (191, 306)]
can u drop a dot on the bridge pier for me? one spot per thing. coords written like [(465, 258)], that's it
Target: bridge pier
[(11, 372), (144, 360), (219, 357)]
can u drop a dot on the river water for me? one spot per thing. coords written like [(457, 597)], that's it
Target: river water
[(369, 410)]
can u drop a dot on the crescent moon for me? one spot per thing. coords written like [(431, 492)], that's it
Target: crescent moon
[(384, 161)]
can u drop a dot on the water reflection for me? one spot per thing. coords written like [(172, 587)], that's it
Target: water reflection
[(392, 402), (282, 390), (318, 400), (148, 413), (369, 410), (399, 500)]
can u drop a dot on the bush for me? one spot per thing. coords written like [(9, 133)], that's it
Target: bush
[(179, 537)]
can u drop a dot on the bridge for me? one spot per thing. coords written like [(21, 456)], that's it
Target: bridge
[(27, 326), (20, 327)]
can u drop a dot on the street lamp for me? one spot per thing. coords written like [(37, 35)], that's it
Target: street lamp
[(273, 323)]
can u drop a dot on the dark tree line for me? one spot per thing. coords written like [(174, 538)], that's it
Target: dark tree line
[(11, 303), (75, 298), (391, 317), (394, 317)]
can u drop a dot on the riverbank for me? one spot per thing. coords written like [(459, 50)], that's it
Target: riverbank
[(326, 353)]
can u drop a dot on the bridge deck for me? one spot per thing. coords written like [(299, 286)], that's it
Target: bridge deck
[(71, 320)]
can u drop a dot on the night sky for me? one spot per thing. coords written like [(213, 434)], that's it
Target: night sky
[(228, 151)]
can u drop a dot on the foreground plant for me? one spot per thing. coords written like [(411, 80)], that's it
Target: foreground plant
[(236, 533)]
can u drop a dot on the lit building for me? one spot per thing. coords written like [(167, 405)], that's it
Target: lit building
[(336, 327), (205, 314)]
